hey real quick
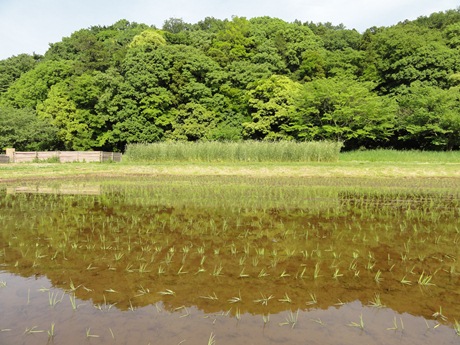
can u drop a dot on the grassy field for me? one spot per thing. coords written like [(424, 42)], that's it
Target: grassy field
[(375, 163)]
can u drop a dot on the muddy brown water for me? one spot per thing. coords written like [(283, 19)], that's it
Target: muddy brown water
[(193, 260)]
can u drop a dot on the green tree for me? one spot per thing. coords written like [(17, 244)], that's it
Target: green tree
[(348, 111), (406, 53), (70, 107), (12, 68), (233, 42), (23, 130), (147, 40), (273, 109), (32, 87), (429, 117)]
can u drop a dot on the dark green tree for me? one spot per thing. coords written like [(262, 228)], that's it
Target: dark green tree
[(23, 130), (429, 117), (348, 111)]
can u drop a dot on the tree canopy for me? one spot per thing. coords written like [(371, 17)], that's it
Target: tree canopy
[(235, 79)]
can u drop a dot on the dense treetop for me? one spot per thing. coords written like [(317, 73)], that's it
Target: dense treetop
[(235, 79)]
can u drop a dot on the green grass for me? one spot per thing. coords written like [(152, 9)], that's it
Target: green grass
[(412, 156), (247, 151), (368, 164)]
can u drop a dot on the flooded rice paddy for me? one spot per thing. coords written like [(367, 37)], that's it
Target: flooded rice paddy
[(222, 260)]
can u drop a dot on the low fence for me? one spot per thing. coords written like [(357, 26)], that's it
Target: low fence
[(63, 156), (4, 159)]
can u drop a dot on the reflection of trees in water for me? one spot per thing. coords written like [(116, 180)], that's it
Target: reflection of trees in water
[(122, 249)]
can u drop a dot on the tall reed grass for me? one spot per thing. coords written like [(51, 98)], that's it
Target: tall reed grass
[(245, 151)]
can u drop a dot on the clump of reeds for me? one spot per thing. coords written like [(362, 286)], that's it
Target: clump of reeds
[(244, 151)]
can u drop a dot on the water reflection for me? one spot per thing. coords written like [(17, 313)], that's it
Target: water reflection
[(27, 316), (280, 261)]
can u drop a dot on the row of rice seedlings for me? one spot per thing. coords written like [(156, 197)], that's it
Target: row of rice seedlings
[(247, 151), (290, 320), (143, 266), (106, 245)]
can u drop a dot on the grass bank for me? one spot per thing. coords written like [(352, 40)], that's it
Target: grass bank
[(233, 152), (401, 157), (345, 168)]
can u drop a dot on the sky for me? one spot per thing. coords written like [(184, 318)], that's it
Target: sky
[(29, 26)]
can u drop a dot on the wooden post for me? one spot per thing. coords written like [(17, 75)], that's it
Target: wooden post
[(10, 153)]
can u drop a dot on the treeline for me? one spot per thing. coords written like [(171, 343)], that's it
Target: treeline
[(230, 80)]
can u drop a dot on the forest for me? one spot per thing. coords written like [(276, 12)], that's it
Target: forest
[(236, 79)]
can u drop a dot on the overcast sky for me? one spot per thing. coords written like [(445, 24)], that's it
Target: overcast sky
[(28, 26)]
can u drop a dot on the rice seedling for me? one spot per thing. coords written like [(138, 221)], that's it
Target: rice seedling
[(263, 273), (33, 330), (359, 324), (318, 321), (168, 257), (200, 250), (118, 256), (316, 272), (340, 303), (266, 318), (142, 291), (394, 327), (264, 300), (73, 302), (284, 274), (2, 284), (212, 297), (181, 271), (425, 280), (233, 249), (51, 331), (274, 262), (302, 274), (260, 251), (53, 298), (242, 274), (285, 299), (167, 292), (238, 314), (212, 339), (111, 291), (313, 299), (291, 319), (378, 277), (457, 327), (404, 281), (376, 302), (89, 335), (186, 311), (440, 315), (336, 274), (91, 267), (104, 306), (235, 299), (217, 272)]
